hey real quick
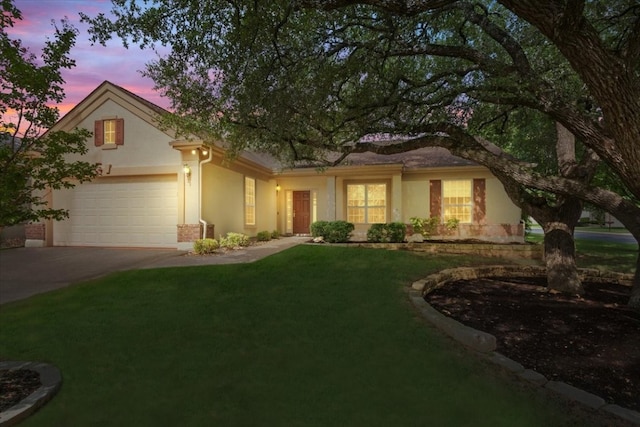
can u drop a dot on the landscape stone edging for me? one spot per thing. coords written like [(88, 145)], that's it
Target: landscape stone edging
[(443, 277), (484, 343), (50, 380)]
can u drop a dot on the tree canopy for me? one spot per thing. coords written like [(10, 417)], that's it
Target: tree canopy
[(32, 163), (301, 78)]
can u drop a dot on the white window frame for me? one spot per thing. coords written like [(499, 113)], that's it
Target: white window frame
[(468, 205), (366, 205), (250, 186)]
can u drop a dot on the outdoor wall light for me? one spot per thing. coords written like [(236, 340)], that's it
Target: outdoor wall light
[(278, 188), (205, 152), (193, 152), (186, 169)]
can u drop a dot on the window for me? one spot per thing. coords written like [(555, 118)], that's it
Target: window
[(367, 203), (249, 201), (109, 132), (457, 202)]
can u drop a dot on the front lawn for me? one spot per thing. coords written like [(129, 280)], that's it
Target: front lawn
[(313, 336)]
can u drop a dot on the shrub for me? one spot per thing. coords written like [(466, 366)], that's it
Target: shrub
[(384, 233), (319, 228), (425, 226), (376, 233), (396, 232), (275, 234), (332, 231), (205, 246), (263, 236), (452, 223), (234, 240), (338, 232)]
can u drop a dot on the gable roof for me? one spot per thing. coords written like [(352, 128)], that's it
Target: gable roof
[(427, 157), (146, 110)]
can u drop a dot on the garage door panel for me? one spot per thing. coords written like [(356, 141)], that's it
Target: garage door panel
[(128, 212)]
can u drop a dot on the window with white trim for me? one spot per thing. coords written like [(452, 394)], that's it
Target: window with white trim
[(457, 200), (367, 203), (249, 201)]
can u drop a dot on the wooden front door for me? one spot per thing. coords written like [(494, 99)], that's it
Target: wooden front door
[(301, 212)]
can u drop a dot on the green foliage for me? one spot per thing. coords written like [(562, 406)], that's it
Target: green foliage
[(451, 223), (387, 233), (234, 240), (302, 79), (263, 236), (332, 231), (31, 161), (275, 234), (425, 226), (205, 246), (319, 228)]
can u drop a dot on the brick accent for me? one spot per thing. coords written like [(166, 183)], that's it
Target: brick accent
[(34, 231), (192, 232)]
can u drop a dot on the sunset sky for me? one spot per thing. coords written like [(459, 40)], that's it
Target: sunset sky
[(94, 64)]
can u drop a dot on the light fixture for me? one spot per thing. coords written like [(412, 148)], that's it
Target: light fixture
[(205, 152), (193, 152), (278, 188), (186, 169)]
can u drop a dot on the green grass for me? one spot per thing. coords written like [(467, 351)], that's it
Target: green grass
[(313, 336), (620, 257)]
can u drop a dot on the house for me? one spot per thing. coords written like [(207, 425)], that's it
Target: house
[(158, 191)]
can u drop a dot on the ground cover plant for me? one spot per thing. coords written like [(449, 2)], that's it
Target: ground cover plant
[(313, 336)]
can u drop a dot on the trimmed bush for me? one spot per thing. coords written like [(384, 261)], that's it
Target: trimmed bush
[(319, 228), (205, 246), (263, 236), (338, 232), (275, 234), (387, 233), (234, 240)]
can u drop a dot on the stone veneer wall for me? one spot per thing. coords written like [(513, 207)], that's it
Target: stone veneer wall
[(497, 250)]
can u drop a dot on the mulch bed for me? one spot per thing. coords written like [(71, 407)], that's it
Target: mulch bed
[(591, 342), (16, 385)]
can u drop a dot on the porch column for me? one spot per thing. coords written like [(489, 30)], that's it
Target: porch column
[(396, 198), (331, 199)]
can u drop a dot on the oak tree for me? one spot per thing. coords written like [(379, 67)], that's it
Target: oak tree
[(306, 78)]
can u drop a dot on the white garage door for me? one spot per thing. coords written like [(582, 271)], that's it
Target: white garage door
[(129, 212)]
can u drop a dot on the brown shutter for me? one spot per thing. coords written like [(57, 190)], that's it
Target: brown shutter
[(119, 131), (435, 198), (98, 133), (479, 200)]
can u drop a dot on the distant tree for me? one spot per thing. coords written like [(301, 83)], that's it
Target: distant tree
[(303, 78), (32, 162)]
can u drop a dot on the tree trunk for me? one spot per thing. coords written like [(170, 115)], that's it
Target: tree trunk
[(560, 259), (634, 301)]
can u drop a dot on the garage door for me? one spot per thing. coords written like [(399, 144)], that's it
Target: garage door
[(125, 212)]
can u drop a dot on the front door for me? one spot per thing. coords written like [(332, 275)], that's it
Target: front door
[(301, 212)]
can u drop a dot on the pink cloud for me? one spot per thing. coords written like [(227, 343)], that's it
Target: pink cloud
[(94, 64)]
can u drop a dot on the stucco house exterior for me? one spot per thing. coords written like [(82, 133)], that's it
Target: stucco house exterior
[(158, 191)]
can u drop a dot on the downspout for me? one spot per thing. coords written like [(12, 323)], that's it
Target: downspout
[(202, 221)]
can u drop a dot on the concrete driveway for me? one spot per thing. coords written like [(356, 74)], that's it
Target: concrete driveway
[(28, 271)]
